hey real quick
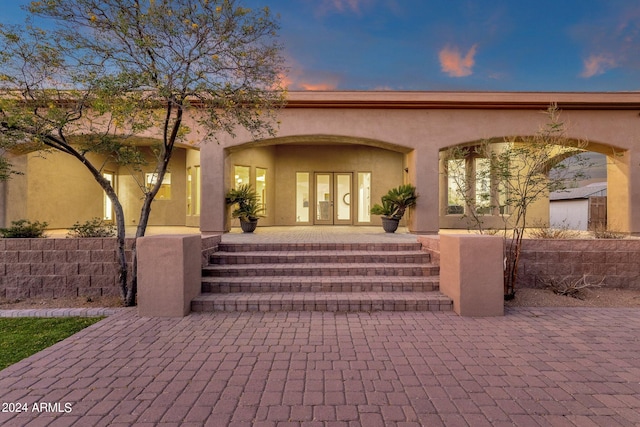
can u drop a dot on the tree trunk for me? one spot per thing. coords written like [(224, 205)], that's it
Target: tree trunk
[(130, 299)]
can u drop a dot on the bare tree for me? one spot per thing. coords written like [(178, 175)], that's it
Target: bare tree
[(518, 169)]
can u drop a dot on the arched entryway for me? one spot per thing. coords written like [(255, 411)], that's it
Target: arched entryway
[(316, 179)]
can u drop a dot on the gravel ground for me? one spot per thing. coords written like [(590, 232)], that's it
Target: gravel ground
[(601, 297)]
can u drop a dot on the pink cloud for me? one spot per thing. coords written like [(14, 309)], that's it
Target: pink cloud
[(319, 85), (598, 64), (454, 64), (299, 78)]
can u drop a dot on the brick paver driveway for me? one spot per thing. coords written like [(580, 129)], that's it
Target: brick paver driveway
[(542, 367)]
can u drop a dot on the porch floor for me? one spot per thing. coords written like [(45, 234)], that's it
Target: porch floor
[(318, 234)]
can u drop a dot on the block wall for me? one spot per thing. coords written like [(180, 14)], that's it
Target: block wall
[(57, 268), (617, 260)]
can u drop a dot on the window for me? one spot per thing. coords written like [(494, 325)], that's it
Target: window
[(456, 186), (240, 176), (190, 206), (197, 193), (302, 196), (261, 188), (165, 188), (364, 196), (108, 206), (193, 190), (470, 181), (483, 197)]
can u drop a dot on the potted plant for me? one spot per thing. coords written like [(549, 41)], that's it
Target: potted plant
[(394, 205), (248, 209)]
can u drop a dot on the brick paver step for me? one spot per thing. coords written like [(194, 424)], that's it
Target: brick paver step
[(319, 256), (329, 301), (319, 284), (322, 269), (325, 246)]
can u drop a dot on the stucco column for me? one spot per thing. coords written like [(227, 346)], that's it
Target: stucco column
[(213, 208), (169, 274), (623, 192), (423, 173), (471, 273)]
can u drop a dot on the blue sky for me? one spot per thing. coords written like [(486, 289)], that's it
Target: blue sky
[(474, 45)]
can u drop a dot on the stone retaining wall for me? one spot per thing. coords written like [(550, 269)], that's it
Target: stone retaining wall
[(617, 260), (58, 267), (51, 267)]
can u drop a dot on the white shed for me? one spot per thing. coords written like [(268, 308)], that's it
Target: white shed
[(579, 208)]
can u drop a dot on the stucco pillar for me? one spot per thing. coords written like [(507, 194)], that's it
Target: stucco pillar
[(213, 208), (623, 192), (169, 274), (423, 165), (471, 273)]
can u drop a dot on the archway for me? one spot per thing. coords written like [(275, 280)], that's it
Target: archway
[(471, 195), (316, 179)]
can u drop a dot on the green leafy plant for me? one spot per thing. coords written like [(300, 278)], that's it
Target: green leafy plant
[(386, 209), (396, 202), (24, 229), (246, 200), (93, 228)]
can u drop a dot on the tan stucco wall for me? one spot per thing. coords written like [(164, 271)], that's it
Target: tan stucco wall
[(57, 188), (163, 212), (15, 198), (61, 191)]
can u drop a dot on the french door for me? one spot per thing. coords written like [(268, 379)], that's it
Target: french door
[(333, 198)]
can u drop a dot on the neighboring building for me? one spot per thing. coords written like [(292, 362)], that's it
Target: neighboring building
[(582, 208), (337, 153)]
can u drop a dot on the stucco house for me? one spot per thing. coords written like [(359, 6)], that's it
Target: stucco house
[(337, 153)]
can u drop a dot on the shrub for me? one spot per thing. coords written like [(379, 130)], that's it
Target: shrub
[(601, 232), (92, 228), (570, 286), (558, 232), (24, 228)]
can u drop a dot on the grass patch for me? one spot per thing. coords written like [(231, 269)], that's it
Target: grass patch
[(21, 337)]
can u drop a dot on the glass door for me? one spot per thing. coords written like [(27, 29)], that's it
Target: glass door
[(324, 199), (333, 198), (342, 203)]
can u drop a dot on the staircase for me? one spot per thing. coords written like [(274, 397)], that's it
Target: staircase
[(334, 277)]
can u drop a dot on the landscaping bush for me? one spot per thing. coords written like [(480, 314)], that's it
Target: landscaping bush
[(24, 229), (570, 286), (601, 232), (93, 228), (556, 232)]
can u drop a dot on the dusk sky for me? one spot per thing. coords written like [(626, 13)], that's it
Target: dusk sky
[(458, 45)]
